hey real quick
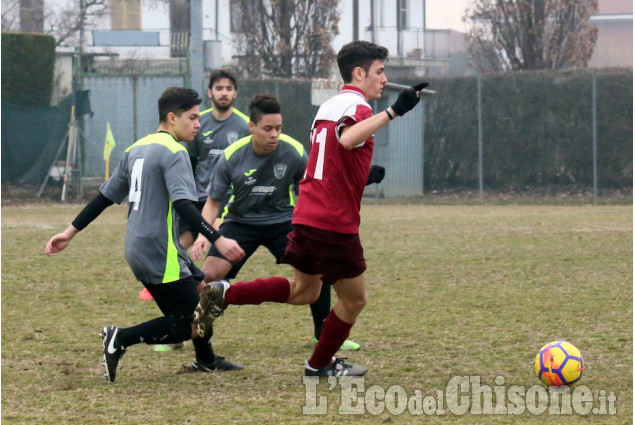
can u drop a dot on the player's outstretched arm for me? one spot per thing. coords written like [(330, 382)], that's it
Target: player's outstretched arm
[(90, 212), (229, 248), (358, 133), (407, 99), (355, 134), (60, 241), (201, 244)]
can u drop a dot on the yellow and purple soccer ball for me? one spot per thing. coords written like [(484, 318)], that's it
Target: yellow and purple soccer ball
[(559, 363)]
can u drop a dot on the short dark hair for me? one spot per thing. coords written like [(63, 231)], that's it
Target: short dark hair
[(222, 73), (263, 104), (359, 53), (177, 100)]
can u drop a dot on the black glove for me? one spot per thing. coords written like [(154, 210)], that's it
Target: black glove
[(408, 99), (376, 175)]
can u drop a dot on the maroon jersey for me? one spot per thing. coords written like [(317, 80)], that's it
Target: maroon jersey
[(333, 183)]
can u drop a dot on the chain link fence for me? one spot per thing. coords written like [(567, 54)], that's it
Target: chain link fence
[(521, 131)]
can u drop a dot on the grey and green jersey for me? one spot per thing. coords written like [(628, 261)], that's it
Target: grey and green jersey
[(153, 173), (211, 139), (262, 186)]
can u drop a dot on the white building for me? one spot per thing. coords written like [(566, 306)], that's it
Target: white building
[(614, 46), (396, 24), (165, 24)]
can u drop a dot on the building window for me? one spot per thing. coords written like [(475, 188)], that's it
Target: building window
[(402, 14), (125, 14)]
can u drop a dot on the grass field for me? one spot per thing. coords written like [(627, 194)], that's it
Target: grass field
[(453, 291)]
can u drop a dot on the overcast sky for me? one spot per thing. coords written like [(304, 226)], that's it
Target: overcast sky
[(443, 14)]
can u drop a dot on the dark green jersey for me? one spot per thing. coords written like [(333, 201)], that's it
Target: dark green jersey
[(262, 185), (153, 173), (211, 139)]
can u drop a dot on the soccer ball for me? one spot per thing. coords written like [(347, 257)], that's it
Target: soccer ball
[(559, 363)]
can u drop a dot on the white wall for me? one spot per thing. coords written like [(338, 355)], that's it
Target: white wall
[(155, 17), (385, 16), (385, 13)]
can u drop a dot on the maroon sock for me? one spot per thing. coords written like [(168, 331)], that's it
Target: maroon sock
[(334, 333), (273, 289)]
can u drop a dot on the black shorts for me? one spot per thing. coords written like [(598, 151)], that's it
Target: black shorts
[(250, 237), (333, 255), (176, 299), (179, 298)]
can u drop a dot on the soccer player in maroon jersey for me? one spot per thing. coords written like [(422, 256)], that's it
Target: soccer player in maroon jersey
[(324, 244)]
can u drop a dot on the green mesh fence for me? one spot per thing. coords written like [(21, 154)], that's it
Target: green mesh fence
[(537, 129)]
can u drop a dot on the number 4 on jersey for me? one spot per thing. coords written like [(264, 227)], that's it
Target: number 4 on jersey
[(134, 197)]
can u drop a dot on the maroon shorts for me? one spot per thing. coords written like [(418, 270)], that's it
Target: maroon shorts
[(333, 255)]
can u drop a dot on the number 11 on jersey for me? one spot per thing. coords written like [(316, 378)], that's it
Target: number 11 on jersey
[(320, 139)]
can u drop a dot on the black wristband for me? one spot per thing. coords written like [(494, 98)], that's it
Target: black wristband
[(209, 232), (389, 115)]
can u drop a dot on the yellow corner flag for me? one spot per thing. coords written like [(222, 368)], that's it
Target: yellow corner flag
[(109, 144)]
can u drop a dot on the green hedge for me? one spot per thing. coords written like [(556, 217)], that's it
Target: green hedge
[(537, 130), (28, 64), (537, 127)]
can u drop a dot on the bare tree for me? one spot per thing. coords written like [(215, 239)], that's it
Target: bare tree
[(530, 34), (66, 24), (285, 38), (64, 21)]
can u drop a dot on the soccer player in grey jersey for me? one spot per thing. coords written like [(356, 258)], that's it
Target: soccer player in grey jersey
[(221, 125), (156, 176)]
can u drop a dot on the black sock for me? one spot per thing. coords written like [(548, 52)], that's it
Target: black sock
[(320, 309), (162, 330)]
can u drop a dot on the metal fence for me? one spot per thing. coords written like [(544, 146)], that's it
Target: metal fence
[(527, 130), (522, 131), (129, 104)]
